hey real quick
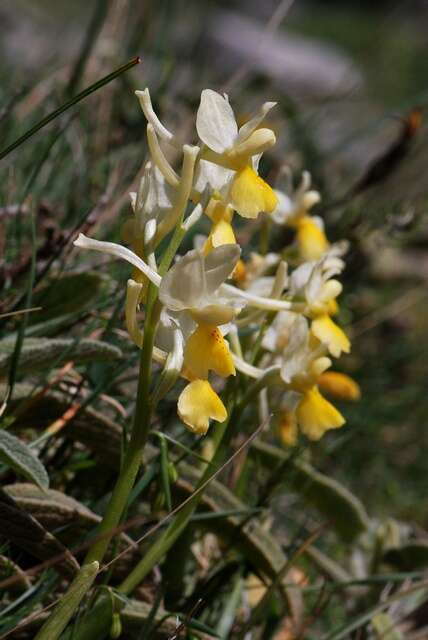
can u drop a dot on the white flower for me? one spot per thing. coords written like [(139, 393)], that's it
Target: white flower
[(238, 150), (316, 284), (301, 363), (154, 199), (212, 178), (294, 204), (118, 251), (254, 273), (314, 281), (286, 326), (217, 128), (193, 283), (151, 117)]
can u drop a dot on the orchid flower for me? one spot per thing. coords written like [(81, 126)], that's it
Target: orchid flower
[(238, 150), (302, 366), (191, 286), (197, 308), (315, 283), (293, 210)]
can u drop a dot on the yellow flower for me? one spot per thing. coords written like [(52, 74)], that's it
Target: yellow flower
[(221, 233), (197, 404), (250, 194), (206, 350), (330, 334), (315, 283), (316, 415), (311, 239), (302, 405), (339, 385), (234, 149)]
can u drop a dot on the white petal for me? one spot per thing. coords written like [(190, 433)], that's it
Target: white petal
[(255, 160), (269, 339), (284, 208), (214, 314), (262, 286), (118, 251), (211, 176), (257, 143), (159, 194), (314, 285), (246, 368), (154, 199), (161, 130), (159, 158), (184, 285), (278, 334), (300, 278), (247, 129), (310, 199), (219, 264), (281, 280), (183, 192), (175, 362), (260, 302), (332, 266), (168, 323), (338, 249), (215, 122), (330, 290), (319, 222), (295, 354)]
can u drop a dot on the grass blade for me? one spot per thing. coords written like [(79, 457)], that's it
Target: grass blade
[(70, 103)]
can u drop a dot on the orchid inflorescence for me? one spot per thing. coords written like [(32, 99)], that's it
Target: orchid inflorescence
[(220, 312)]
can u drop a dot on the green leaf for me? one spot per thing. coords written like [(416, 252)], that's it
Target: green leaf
[(26, 532), (344, 511), (66, 517), (43, 353), (22, 460), (261, 549), (68, 294), (134, 614), (164, 473), (9, 568), (68, 604)]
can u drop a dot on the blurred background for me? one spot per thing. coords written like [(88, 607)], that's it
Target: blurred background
[(348, 77)]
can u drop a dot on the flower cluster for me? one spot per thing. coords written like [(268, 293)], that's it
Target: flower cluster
[(221, 311)]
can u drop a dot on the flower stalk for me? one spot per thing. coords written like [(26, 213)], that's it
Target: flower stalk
[(139, 434), (224, 434)]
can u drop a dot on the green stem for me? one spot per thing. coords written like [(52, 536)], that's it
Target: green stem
[(99, 618), (57, 622), (142, 416), (178, 525), (137, 441)]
